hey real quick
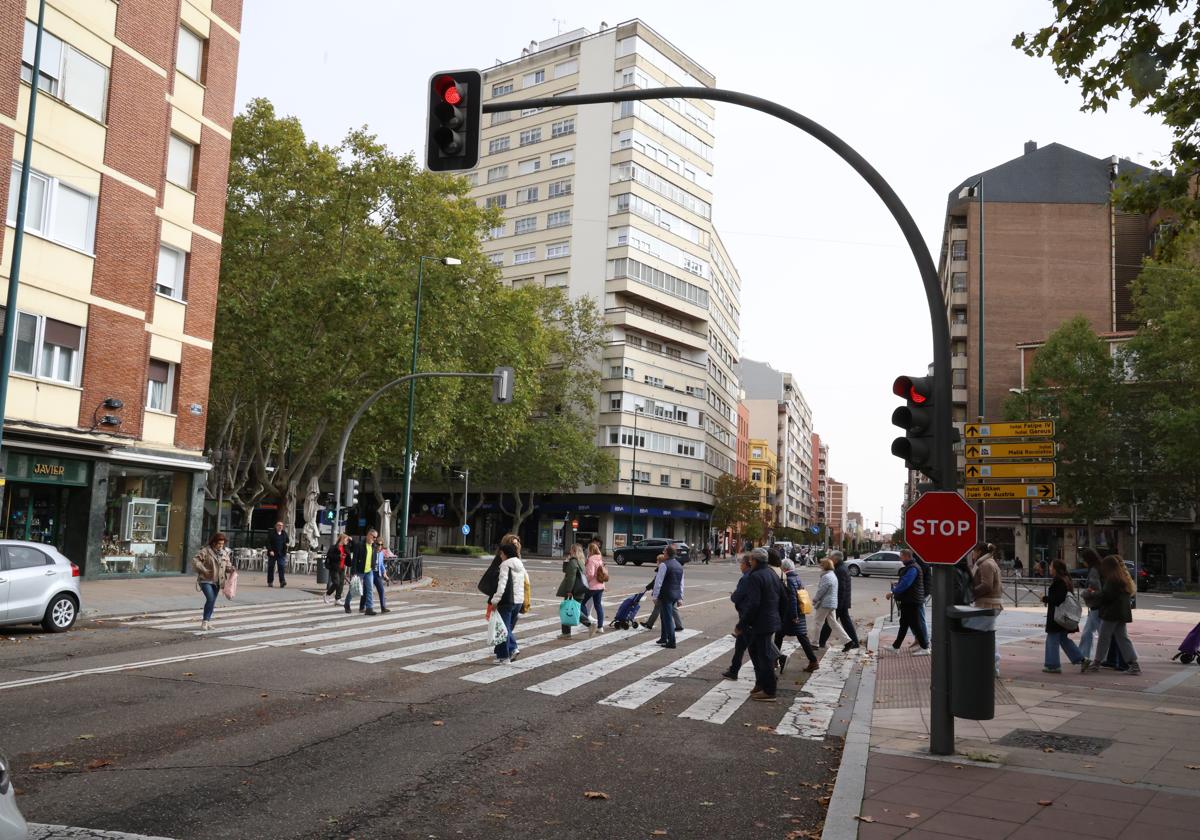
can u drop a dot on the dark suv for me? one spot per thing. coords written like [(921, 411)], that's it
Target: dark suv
[(646, 551)]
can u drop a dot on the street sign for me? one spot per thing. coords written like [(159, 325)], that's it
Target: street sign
[(1027, 428), (1029, 469), (466, 529), (1040, 490), (940, 527), (1032, 449)]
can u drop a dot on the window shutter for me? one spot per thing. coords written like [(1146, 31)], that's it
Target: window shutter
[(63, 335), (159, 370)]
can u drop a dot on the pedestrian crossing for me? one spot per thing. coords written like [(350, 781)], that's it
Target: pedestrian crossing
[(426, 636)]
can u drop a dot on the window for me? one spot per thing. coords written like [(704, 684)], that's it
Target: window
[(525, 255), (685, 449), (496, 200), (24, 557), (496, 232), (756, 475), (558, 188), (664, 479), (641, 476), (501, 117), (653, 380), (629, 373), (180, 161), (527, 167), (563, 127), (960, 315), (558, 218), (528, 112), (526, 195), (65, 72), (614, 402), (959, 378), (958, 249), (531, 135), (526, 225), (556, 281), (958, 281), (496, 259), (160, 386), (189, 59), (534, 78), (633, 340), (54, 210), (558, 249), (497, 173), (685, 483), (499, 144), (46, 348), (562, 158), (501, 88), (567, 68), (171, 263), (614, 371)]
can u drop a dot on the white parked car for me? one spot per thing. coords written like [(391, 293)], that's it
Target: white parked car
[(12, 824), (880, 563), (38, 585)]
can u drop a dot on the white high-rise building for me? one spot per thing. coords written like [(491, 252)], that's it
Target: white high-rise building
[(779, 412), (614, 202)]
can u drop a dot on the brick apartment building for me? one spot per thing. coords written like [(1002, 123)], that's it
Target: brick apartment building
[(107, 401)]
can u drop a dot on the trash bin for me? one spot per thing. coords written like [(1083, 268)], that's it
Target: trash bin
[(972, 665)]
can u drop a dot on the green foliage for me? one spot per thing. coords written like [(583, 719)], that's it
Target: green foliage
[(754, 529), (470, 550), (734, 501), (1148, 50)]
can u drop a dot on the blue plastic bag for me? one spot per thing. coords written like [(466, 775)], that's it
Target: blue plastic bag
[(568, 612)]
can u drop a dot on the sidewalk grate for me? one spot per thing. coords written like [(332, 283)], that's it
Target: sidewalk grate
[(1050, 742), (902, 682)]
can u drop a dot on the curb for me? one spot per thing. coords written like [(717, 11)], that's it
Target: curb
[(846, 801)]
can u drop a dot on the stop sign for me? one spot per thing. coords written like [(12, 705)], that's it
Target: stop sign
[(940, 527)]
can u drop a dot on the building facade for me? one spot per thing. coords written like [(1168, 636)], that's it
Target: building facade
[(743, 442), (820, 479), (836, 510), (779, 411), (764, 474), (104, 427), (614, 202)]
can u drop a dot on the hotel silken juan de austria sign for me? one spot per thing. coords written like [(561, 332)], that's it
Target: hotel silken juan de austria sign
[(1009, 460)]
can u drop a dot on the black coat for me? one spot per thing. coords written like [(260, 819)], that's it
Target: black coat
[(1056, 595), (842, 573), (1114, 602), (277, 544), (763, 608), (333, 559), (359, 556)]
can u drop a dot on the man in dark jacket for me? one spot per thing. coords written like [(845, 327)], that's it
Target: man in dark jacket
[(741, 641), (909, 594), (760, 614), (843, 603), (277, 546), (668, 595), (366, 562)]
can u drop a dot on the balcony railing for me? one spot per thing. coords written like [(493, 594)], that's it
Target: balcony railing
[(655, 317), (662, 353)]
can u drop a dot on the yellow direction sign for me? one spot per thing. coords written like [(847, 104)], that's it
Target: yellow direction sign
[(1024, 428), (1032, 449), (1033, 469), (1041, 490)]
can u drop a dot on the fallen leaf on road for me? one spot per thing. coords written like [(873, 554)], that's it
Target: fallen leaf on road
[(45, 765), (264, 695), (1045, 802), (658, 832), (86, 737), (772, 772), (763, 728), (594, 794), (1047, 749), (1089, 765), (912, 815), (1129, 781), (1192, 766), (97, 763), (707, 803), (864, 819), (770, 750), (439, 723), (63, 764), (498, 816)]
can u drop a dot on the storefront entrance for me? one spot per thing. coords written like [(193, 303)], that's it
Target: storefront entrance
[(36, 512)]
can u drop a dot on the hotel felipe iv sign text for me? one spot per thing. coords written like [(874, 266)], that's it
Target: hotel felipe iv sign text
[(45, 469)]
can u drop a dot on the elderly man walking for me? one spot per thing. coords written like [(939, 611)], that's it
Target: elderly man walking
[(760, 614), (843, 603)]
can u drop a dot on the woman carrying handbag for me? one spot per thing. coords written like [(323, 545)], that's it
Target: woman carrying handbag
[(572, 588), (212, 567), (1062, 605), (596, 575)]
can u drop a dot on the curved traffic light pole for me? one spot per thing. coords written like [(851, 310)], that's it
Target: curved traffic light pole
[(941, 730)]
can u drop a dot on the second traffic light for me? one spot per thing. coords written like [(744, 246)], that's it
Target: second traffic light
[(918, 445), (350, 496), (455, 116)]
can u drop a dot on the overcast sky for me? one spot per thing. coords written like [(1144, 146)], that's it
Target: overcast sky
[(929, 92)]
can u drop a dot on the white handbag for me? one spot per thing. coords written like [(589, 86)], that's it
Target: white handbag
[(1068, 613)]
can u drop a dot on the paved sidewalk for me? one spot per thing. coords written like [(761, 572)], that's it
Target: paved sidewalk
[(1067, 756)]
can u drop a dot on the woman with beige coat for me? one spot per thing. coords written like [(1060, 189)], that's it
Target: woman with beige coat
[(212, 566)]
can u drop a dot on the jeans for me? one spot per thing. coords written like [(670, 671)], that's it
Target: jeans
[(508, 614), (740, 644), (843, 616), (1091, 626), (1115, 631), (800, 637), (654, 616), (367, 583), (910, 618), (764, 663), (365, 600), (921, 616), (281, 562), (824, 617), (667, 634), (1054, 641), (595, 596), (210, 598), (337, 579)]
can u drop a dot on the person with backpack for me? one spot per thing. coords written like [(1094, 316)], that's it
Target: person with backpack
[(1058, 635), (795, 624), (825, 603), (508, 599), (843, 603), (573, 584), (760, 615), (909, 595), (596, 575)]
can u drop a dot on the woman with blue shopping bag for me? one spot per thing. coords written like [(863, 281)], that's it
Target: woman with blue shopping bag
[(573, 589)]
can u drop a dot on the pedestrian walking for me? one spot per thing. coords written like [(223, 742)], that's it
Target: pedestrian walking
[(760, 615), (1018, 568), (668, 596), (212, 565), (510, 595), (909, 595), (277, 551), (825, 604), (1115, 614), (378, 572), (669, 551), (842, 573), (794, 623), (926, 586), (1091, 598), (336, 561), (596, 575), (574, 582), (740, 640), (364, 559), (1058, 636), (985, 590)]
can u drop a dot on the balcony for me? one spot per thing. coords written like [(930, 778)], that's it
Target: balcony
[(958, 395), (958, 298), (958, 330), (652, 323), (958, 362)]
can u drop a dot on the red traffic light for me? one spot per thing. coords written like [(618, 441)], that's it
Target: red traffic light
[(447, 90), (911, 389)]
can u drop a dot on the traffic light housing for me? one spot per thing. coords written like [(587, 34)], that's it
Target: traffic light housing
[(918, 447), (350, 497), (502, 385), (455, 117)]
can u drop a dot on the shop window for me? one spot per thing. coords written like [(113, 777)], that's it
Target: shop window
[(160, 388), (146, 521)]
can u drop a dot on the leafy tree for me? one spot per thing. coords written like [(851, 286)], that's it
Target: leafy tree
[(735, 501), (1148, 50), (1075, 381)]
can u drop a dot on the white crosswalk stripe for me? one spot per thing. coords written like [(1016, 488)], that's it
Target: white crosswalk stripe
[(727, 696), (813, 708), (637, 694), (439, 644), (602, 667), (338, 619), (512, 669), (262, 614), (444, 662), (473, 622), (365, 627), (142, 618)]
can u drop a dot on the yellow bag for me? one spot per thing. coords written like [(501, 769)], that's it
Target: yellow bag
[(528, 604), (805, 601)]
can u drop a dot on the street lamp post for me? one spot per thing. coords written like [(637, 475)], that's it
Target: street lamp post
[(637, 409), (412, 399), (466, 477), (976, 190)]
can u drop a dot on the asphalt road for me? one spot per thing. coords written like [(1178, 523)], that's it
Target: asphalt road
[(257, 731)]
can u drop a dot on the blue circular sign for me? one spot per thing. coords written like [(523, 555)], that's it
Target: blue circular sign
[(466, 529)]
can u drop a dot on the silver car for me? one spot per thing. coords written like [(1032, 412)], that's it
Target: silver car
[(12, 824), (38, 585), (880, 563)]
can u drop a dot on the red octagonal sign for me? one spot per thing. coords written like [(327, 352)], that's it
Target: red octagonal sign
[(940, 527)]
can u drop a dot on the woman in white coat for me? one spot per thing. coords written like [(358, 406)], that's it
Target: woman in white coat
[(825, 606), (508, 600)]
